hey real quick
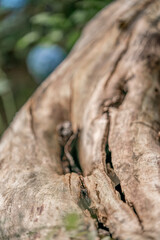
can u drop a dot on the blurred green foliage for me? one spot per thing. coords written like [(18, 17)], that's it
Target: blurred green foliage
[(40, 22), (45, 21), (77, 228)]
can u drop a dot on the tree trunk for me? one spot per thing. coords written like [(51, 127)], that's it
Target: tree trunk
[(83, 154)]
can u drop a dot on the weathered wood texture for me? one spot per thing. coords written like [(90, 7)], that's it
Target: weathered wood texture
[(109, 89)]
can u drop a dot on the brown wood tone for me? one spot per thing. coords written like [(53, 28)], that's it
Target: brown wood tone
[(88, 141)]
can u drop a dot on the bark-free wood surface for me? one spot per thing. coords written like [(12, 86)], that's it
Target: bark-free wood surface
[(108, 90)]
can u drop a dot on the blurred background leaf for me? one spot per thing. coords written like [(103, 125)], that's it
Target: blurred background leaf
[(26, 24)]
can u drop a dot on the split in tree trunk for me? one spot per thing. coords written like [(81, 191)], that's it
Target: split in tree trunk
[(84, 153)]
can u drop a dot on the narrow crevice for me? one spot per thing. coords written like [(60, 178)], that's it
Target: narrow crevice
[(112, 175), (84, 200), (74, 154), (85, 204), (108, 156), (139, 220), (103, 231), (101, 226), (109, 168), (115, 102), (114, 178), (69, 148), (70, 152), (119, 189)]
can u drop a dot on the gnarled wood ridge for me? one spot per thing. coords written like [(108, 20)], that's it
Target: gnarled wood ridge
[(86, 144)]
